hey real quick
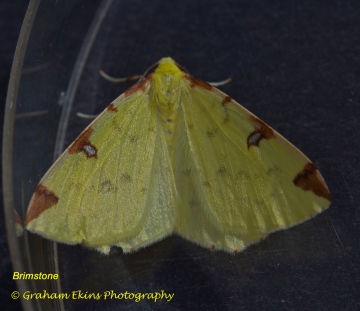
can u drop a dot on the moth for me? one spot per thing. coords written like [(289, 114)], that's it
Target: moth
[(173, 154)]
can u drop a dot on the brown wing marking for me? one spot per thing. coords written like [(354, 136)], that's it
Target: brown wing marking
[(112, 108), (83, 144), (309, 179), (262, 131), (198, 83), (42, 200), (140, 86)]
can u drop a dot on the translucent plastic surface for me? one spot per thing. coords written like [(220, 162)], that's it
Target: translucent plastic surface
[(62, 46)]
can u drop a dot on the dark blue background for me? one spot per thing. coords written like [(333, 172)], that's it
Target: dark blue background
[(323, 55)]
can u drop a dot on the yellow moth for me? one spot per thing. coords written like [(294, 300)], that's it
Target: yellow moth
[(173, 154)]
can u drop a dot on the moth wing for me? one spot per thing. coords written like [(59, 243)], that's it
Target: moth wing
[(237, 178), (110, 187)]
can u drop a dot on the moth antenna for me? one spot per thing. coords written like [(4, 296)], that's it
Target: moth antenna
[(118, 80), (223, 82), (86, 116)]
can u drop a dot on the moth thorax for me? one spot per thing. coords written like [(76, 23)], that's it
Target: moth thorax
[(166, 93), (166, 89)]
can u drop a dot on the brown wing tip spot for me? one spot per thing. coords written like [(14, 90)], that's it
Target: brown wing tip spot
[(226, 100), (309, 179), (112, 108), (236, 251), (140, 86), (262, 131), (83, 144), (42, 199), (198, 83), (132, 250), (212, 247)]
